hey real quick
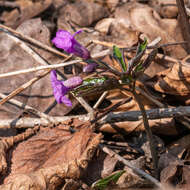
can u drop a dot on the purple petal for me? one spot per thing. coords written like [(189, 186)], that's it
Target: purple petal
[(73, 82), (63, 34), (66, 41), (66, 101), (63, 43), (89, 68), (59, 90), (53, 76)]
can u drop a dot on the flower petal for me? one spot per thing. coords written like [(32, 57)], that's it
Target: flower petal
[(63, 43), (63, 34), (66, 41), (89, 68), (66, 101)]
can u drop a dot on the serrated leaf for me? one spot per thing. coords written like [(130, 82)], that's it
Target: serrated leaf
[(118, 55), (103, 183)]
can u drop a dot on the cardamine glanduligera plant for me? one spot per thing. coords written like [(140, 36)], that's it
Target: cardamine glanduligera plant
[(131, 70)]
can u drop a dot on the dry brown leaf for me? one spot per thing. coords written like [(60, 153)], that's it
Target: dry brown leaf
[(174, 169), (175, 80), (141, 18), (166, 8), (33, 163), (159, 126), (102, 165), (131, 180), (9, 142), (26, 10), (82, 13)]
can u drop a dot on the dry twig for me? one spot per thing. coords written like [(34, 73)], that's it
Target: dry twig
[(128, 164)]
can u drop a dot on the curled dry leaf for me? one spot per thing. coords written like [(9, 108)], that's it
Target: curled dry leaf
[(174, 169), (144, 19), (9, 142), (82, 13), (24, 10), (174, 81), (47, 159), (166, 8), (130, 179), (101, 166)]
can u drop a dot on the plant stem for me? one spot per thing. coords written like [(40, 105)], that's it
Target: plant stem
[(149, 134)]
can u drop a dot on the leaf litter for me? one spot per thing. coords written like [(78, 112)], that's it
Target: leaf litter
[(67, 154)]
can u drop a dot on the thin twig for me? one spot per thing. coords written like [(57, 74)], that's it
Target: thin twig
[(109, 44), (31, 40), (35, 69), (161, 56), (23, 87), (149, 134), (100, 99), (152, 114), (128, 164), (148, 96), (112, 117), (111, 109), (29, 109), (54, 66)]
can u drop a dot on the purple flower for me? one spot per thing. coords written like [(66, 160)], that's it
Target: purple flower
[(66, 41), (61, 88), (89, 68)]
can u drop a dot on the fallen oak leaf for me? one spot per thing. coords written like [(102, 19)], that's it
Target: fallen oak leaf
[(25, 10), (7, 143), (51, 176), (174, 81)]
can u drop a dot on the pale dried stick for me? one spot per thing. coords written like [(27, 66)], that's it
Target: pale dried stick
[(100, 99), (31, 40), (128, 164), (29, 108), (161, 56), (158, 103), (54, 66), (27, 122), (113, 117), (34, 69), (23, 87)]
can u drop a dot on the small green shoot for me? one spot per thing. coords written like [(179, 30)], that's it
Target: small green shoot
[(142, 46), (103, 183), (119, 57)]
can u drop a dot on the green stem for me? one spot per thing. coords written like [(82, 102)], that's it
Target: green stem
[(149, 134)]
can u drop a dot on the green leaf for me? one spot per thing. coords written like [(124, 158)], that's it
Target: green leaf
[(118, 55), (92, 86), (103, 183), (142, 46), (139, 67)]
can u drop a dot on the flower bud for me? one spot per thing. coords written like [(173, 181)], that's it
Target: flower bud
[(89, 68)]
